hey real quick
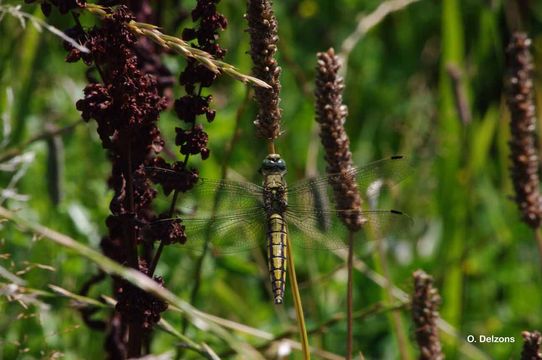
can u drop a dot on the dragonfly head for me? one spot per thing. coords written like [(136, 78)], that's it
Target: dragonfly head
[(273, 165)]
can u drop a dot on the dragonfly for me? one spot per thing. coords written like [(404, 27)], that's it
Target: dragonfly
[(243, 211)]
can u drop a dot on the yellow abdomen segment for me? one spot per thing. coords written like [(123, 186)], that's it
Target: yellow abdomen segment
[(277, 239)]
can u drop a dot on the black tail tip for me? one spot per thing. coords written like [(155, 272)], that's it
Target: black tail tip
[(397, 212), (278, 300), (397, 157)]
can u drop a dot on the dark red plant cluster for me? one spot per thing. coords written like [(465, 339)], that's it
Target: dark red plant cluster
[(125, 95), (126, 106), (148, 53), (138, 307), (193, 140)]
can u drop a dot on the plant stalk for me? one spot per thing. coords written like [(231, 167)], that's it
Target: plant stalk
[(349, 305), (297, 303), (134, 330), (538, 237)]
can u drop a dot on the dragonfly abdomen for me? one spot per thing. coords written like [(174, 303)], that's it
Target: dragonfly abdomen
[(277, 239)]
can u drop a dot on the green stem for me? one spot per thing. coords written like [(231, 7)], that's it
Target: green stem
[(297, 303), (538, 237), (349, 305)]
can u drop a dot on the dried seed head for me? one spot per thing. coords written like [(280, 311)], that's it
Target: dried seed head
[(196, 76), (126, 107), (531, 346), (140, 307), (425, 303), (262, 27), (523, 152), (331, 114)]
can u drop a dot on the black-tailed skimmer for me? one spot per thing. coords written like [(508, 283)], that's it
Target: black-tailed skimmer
[(243, 212)]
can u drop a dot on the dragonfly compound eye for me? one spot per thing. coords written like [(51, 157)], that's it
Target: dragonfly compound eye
[(273, 164), (267, 164)]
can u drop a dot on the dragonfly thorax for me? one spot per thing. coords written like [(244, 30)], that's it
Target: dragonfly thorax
[(274, 195), (274, 186)]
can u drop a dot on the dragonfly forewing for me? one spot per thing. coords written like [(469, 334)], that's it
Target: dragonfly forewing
[(218, 197), (225, 234)]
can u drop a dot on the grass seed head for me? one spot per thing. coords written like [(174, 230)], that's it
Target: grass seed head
[(523, 151), (425, 303), (262, 27), (331, 114)]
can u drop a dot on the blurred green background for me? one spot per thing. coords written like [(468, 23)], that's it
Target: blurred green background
[(467, 233)]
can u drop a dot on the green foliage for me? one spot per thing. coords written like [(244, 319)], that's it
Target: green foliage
[(467, 231)]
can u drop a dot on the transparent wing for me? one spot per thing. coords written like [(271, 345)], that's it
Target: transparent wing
[(210, 197), (308, 233), (223, 234), (315, 193)]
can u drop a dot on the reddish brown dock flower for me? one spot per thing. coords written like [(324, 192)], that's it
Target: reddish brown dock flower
[(126, 106), (138, 306)]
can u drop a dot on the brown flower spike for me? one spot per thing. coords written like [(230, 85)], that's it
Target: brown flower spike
[(331, 114), (262, 27), (425, 303), (523, 152), (531, 346)]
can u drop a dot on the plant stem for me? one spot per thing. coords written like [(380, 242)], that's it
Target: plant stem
[(538, 237), (132, 236), (349, 305), (134, 329), (156, 257), (297, 303), (172, 207), (271, 147)]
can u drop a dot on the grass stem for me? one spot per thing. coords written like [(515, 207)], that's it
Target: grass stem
[(538, 237), (297, 303), (349, 305)]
